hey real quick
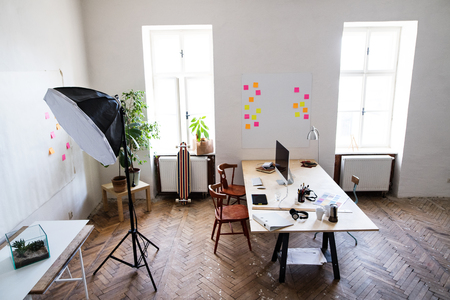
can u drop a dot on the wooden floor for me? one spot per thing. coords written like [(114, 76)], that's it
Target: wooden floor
[(408, 258)]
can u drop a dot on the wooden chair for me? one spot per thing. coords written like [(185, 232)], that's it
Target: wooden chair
[(230, 189), (227, 214)]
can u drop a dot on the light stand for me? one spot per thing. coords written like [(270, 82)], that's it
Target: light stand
[(133, 223)]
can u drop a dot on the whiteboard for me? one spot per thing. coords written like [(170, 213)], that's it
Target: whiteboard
[(276, 107), (31, 173)]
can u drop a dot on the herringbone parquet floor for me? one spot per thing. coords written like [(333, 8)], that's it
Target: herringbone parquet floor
[(407, 259)]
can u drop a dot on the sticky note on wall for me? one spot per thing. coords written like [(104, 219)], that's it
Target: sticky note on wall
[(256, 124), (246, 107), (258, 110), (58, 127), (67, 146), (51, 151), (52, 134), (297, 114), (247, 126), (255, 84), (258, 92), (47, 115), (306, 117), (251, 99), (306, 96), (253, 117), (295, 105), (245, 87), (296, 90), (63, 157)]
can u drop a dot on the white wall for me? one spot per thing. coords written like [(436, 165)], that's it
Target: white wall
[(36, 36), (264, 36)]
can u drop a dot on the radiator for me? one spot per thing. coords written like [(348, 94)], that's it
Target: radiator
[(169, 176), (374, 172)]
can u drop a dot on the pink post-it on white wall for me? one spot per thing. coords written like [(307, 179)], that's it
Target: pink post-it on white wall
[(256, 124), (246, 116), (47, 115), (296, 90), (67, 146), (63, 157), (306, 116), (52, 134), (246, 87), (306, 96), (258, 92)]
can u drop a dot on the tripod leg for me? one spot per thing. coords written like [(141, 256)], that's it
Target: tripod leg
[(145, 262), (110, 254), (142, 236)]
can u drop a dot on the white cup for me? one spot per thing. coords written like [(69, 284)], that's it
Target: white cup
[(319, 213), (327, 210)]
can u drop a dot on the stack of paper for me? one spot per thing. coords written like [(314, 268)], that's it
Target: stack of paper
[(305, 256)]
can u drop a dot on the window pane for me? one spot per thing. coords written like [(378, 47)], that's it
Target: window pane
[(379, 92), (167, 116), (382, 50), (347, 128), (197, 53), (350, 93), (199, 96), (166, 53), (353, 50), (375, 131)]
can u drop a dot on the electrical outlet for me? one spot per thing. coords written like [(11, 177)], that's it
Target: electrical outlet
[(70, 215)]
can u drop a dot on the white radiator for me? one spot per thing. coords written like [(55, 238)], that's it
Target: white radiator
[(169, 176), (374, 172)]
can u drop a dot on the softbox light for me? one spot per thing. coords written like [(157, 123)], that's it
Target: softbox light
[(91, 118), (96, 122)]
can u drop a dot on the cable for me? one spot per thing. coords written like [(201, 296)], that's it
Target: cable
[(281, 200)]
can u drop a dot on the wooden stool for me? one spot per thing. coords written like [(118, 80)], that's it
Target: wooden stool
[(108, 187)]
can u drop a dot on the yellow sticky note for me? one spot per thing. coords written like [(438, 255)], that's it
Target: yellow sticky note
[(247, 107), (258, 110), (297, 114), (253, 117), (302, 103), (305, 109), (251, 99), (58, 127), (51, 151), (295, 105), (255, 84), (247, 126)]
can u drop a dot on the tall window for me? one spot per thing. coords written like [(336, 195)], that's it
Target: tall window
[(369, 59), (179, 75)]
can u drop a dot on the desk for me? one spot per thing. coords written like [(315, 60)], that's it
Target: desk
[(108, 187), (319, 181), (65, 239)]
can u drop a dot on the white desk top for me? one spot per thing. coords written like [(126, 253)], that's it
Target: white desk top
[(319, 181), (15, 284)]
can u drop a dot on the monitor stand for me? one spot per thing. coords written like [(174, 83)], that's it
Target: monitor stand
[(290, 179)]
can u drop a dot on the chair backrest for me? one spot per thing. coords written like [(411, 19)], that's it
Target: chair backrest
[(223, 176), (217, 198), (355, 180)]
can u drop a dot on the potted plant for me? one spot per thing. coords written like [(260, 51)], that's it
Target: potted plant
[(202, 142), (138, 133)]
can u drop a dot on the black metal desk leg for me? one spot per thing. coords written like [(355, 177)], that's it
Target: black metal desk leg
[(334, 258), (283, 243)]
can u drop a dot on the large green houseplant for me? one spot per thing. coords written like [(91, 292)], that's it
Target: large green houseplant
[(138, 131)]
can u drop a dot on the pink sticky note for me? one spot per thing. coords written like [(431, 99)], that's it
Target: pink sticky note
[(245, 87), (258, 92), (47, 115), (67, 146), (256, 124), (246, 116), (63, 157), (306, 96), (52, 135), (296, 90), (306, 116)]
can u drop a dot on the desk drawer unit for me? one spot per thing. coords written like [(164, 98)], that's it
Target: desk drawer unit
[(374, 172), (168, 173)]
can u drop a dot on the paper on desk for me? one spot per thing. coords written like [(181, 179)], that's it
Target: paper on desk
[(329, 198), (305, 256)]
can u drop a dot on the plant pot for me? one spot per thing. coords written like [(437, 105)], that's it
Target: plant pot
[(119, 184), (205, 147), (135, 175)]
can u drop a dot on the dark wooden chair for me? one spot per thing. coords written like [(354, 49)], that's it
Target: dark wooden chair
[(229, 188), (227, 214)]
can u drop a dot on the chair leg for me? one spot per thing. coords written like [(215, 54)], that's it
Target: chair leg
[(214, 229), (217, 237), (246, 233), (315, 234), (356, 241)]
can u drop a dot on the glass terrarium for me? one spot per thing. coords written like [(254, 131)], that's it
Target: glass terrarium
[(28, 246)]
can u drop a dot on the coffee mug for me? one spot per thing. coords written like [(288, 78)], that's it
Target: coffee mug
[(319, 212)]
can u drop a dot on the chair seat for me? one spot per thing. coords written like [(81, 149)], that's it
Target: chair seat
[(234, 190), (233, 213)]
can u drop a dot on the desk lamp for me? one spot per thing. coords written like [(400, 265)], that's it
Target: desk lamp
[(96, 122), (313, 134)]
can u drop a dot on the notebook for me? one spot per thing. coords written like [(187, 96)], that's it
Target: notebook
[(259, 199), (271, 220)]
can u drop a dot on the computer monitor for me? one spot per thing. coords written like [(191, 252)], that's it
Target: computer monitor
[(282, 164)]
